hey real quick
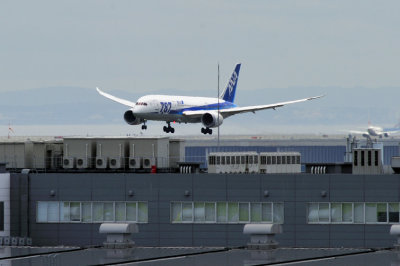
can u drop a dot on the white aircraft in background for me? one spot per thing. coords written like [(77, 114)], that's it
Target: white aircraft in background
[(211, 112), (374, 131)]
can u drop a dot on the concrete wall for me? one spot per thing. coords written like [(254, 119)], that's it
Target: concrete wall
[(13, 153), (295, 190)]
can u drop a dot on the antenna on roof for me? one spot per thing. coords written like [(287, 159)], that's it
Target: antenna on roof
[(9, 129), (218, 107)]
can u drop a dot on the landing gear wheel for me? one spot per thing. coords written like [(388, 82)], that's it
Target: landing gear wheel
[(206, 130), (168, 129), (144, 127)]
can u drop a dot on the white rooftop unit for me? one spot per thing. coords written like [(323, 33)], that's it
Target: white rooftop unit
[(81, 150), (31, 154), (176, 152), (16, 154), (111, 152), (146, 152), (280, 162), (233, 162)]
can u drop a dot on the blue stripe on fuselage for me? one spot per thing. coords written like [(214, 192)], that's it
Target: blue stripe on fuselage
[(208, 107)]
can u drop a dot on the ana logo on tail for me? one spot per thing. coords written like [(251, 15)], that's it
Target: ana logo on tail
[(232, 82)]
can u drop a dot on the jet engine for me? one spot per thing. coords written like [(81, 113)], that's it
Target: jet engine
[(131, 119), (210, 119)]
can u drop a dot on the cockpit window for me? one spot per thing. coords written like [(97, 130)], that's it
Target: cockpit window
[(141, 103)]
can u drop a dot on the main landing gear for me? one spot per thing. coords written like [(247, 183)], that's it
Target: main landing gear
[(206, 130), (169, 129)]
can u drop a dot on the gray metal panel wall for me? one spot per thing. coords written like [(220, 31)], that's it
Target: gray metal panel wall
[(295, 190), (388, 153), (19, 205)]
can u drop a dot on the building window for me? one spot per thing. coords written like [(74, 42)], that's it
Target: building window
[(250, 159), (376, 158), (263, 159), (369, 158), (353, 212), (227, 212), (91, 212), (211, 160), (237, 160), (355, 159)]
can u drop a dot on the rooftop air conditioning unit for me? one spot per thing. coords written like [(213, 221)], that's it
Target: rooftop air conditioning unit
[(116, 162), (101, 162), (135, 162), (68, 162), (82, 163), (148, 162)]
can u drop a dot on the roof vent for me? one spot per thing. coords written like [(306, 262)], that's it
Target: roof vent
[(262, 235), (395, 230), (118, 234)]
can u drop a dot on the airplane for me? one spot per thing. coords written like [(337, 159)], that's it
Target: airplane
[(375, 131), (211, 112)]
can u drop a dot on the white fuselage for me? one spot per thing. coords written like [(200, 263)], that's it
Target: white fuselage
[(169, 108), (375, 131)]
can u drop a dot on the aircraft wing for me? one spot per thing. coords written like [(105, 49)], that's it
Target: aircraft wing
[(358, 132), (238, 110), (391, 131), (116, 99)]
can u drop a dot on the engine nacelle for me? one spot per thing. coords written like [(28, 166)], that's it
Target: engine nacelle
[(131, 119), (211, 119)]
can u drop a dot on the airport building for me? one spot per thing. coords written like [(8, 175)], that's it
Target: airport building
[(351, 203)]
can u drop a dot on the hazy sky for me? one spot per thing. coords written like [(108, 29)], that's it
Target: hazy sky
[(153, 45)]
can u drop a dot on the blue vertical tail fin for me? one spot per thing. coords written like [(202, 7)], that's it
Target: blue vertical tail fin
[(229, 93)]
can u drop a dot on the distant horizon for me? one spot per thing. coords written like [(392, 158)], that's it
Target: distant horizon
[(155, 129)]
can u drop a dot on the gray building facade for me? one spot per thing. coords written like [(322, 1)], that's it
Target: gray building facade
[(309, 215)]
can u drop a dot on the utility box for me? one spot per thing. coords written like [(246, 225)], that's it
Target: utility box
[(147, 152), (233, 162), (112, 152), (45, 154), (367, 161), (16, 154), (79, 152), (280, 162), (176, 152)]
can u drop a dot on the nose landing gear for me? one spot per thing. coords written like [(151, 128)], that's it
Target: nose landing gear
[(206, 130), (169, 129), (144, 127)]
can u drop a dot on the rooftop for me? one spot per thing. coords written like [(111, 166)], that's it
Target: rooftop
[(195, 256)]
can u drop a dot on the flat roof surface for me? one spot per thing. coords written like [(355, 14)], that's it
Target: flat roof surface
[(195, 256)]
